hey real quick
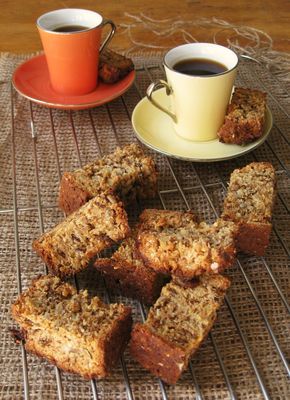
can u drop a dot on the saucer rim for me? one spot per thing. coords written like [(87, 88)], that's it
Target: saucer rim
[(243, 151), (78, 106)]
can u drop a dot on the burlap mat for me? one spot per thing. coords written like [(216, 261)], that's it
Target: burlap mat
[(112, 126)]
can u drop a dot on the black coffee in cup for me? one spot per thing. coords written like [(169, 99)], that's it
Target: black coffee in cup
[(70, 28), (199, 67)]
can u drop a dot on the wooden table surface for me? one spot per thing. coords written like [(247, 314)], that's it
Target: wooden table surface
[(18, 32)]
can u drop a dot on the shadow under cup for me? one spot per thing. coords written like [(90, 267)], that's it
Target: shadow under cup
[(72, 55), (198, 101)]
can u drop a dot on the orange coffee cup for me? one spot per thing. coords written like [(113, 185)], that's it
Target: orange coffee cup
[(71, 40)]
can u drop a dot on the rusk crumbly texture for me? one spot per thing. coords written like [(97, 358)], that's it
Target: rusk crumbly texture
[(113, 66), (176, 326), (69, 247), (152, 217), (172, 242), (249, 203), (79, 334), (128, 172), (125, 272), (245, 117)]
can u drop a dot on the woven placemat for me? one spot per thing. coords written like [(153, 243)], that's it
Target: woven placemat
[(240, 338)]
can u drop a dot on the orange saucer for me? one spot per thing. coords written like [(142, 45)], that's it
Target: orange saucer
[(31, 80)]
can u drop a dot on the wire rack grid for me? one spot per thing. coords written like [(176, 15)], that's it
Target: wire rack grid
[(245, 355)]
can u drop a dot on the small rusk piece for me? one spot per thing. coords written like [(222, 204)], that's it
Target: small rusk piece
[(126, 273), (113, 66), (245, 117), (249, 204)]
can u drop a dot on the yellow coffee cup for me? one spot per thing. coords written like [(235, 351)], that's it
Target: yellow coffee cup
[(200, 79)]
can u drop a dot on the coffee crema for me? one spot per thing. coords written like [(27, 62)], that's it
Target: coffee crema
[(199, 67), (70, 28)]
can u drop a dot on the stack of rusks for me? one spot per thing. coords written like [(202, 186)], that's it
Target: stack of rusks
[(168, 260)]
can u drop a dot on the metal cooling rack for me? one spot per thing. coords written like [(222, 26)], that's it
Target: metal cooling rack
[(147, 74)]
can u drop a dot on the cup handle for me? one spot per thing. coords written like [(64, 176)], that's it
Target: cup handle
[(110, 35), (157, 85)]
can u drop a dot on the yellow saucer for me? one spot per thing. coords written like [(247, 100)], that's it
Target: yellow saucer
[(154, 128)]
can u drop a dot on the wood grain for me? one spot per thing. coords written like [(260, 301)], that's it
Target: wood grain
[(18, 32)]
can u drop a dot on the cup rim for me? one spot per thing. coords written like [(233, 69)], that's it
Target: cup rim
[(201, 76), (45, 15)]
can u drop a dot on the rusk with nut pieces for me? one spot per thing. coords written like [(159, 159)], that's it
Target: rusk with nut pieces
[(128, 171), (249, 203), (245, 117), (79, 334), (176, 326), (173, 243), (69, 247), (126, 272), (113, 66)]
